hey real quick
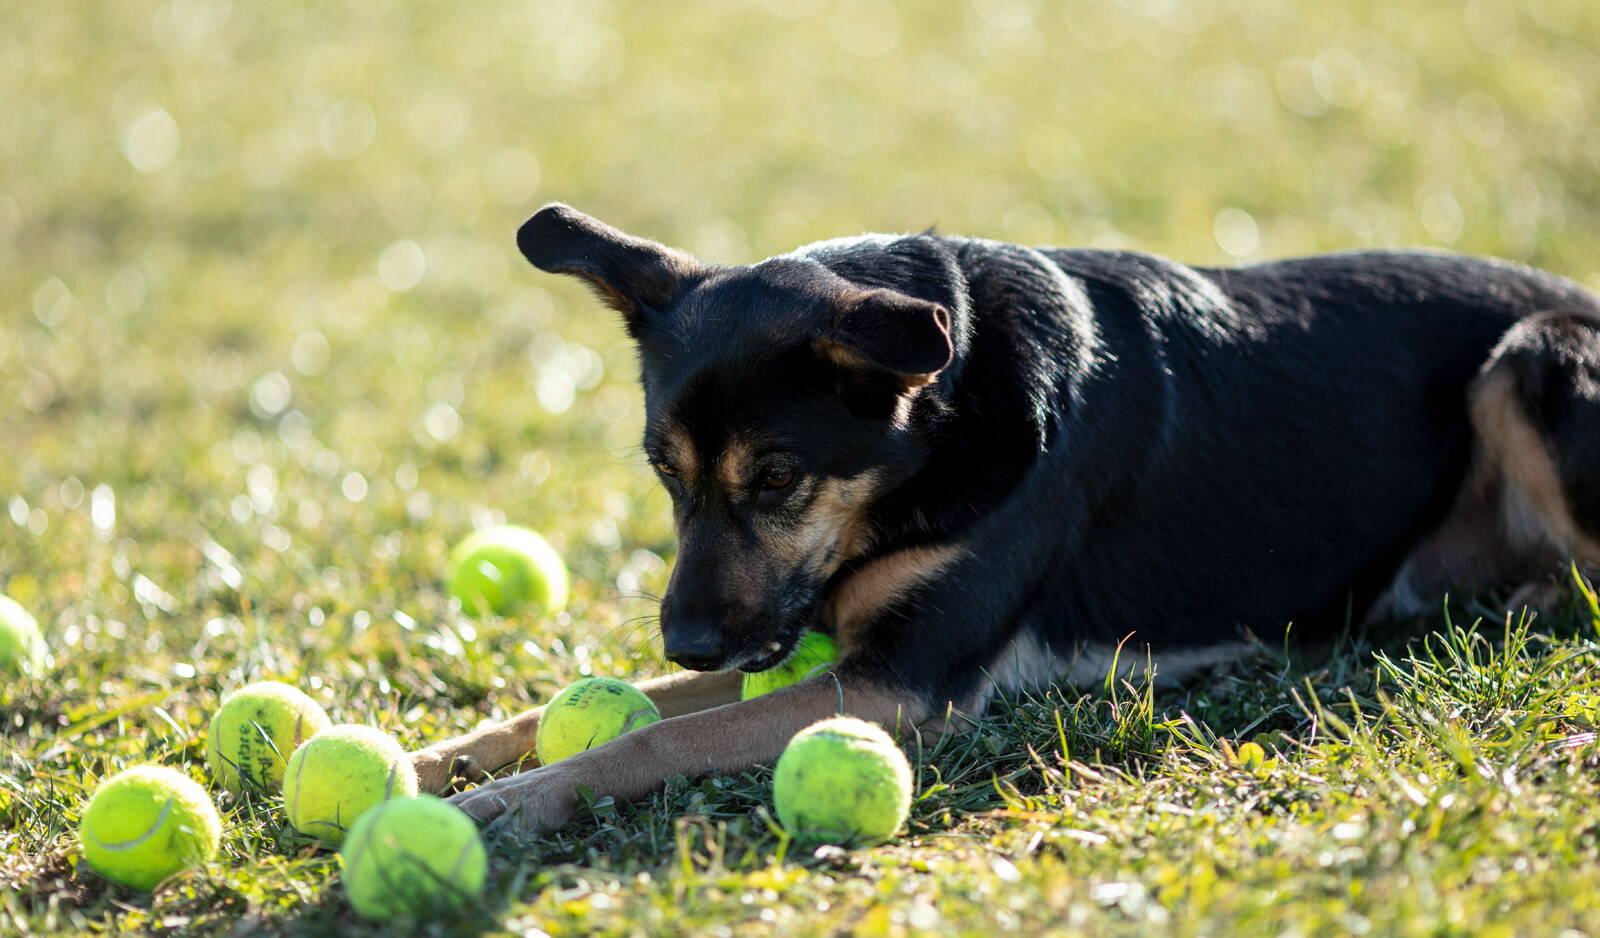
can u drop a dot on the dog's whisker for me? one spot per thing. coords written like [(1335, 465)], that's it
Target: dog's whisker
[(618, 594), (634, 633)]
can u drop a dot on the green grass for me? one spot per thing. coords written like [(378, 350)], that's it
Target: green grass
[(239, 439)]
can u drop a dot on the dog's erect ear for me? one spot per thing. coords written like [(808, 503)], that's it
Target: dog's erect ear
[(888, 331), (631, 274)]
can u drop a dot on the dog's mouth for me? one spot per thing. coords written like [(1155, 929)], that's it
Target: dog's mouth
[(788, 622), (774, 652), (797, 613)]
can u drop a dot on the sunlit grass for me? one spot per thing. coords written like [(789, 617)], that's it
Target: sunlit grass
[(267, 350)]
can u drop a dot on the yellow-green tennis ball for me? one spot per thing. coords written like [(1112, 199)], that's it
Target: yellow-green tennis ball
[(336, 775), (503, 567), (842, 781), (413, 856), (256, 730), (21, 644), (816, 651), (590, 713), (146, 823)]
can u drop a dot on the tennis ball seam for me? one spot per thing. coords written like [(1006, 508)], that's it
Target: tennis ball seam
[(299, 784), (155, 826), (183, 827)]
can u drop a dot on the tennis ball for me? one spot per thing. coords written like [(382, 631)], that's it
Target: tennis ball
[(502, 567), (412, 856), (255, 731), (21, 645), (816, 651), (146, 823), (336, 775), (842, 781), (590, 713)]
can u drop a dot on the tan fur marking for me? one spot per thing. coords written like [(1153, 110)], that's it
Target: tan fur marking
[(734, 465), (902, 410), (855, 601), (681, 452), (676, 267), (846, 357), (1510, 521), (1535, 508), (841, 355), (845, 512), (834, 531)]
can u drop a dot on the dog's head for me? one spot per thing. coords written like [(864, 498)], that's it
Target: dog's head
[(778, 405)]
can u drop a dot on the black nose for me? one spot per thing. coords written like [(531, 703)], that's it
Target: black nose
[(695, 662), (698, 649)]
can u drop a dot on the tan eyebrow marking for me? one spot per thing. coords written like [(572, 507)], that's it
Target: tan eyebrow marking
[(680, 451), (734, 464)]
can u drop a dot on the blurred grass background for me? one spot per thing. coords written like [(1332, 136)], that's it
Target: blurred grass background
[(267, 347)]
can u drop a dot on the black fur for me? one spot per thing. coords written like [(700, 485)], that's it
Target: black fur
[(1122, 445)]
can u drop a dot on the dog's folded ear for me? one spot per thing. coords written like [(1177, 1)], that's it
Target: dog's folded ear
[(632, 275), (888, 331)]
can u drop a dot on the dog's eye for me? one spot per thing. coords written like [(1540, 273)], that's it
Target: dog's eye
[(667, 469), (777, 478)]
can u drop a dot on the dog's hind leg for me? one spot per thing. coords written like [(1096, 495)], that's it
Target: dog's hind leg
[(1536, 409), (493, 750), (1531, 501)]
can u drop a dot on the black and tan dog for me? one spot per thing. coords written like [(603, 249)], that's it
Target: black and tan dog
[(984, 466)]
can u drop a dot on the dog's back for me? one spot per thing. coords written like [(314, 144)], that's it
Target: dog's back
[(1311, 426)]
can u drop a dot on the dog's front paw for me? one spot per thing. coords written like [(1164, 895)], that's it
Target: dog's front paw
[(541, 800), (434, 770), (441, 769)]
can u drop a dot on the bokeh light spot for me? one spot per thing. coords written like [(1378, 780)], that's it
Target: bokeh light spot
[(402, 265), (151, 142), (1236, 232), (270, 395), (347, 130)]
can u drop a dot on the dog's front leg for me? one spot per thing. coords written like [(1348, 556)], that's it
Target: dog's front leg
[(483, 753), (723, 740)]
